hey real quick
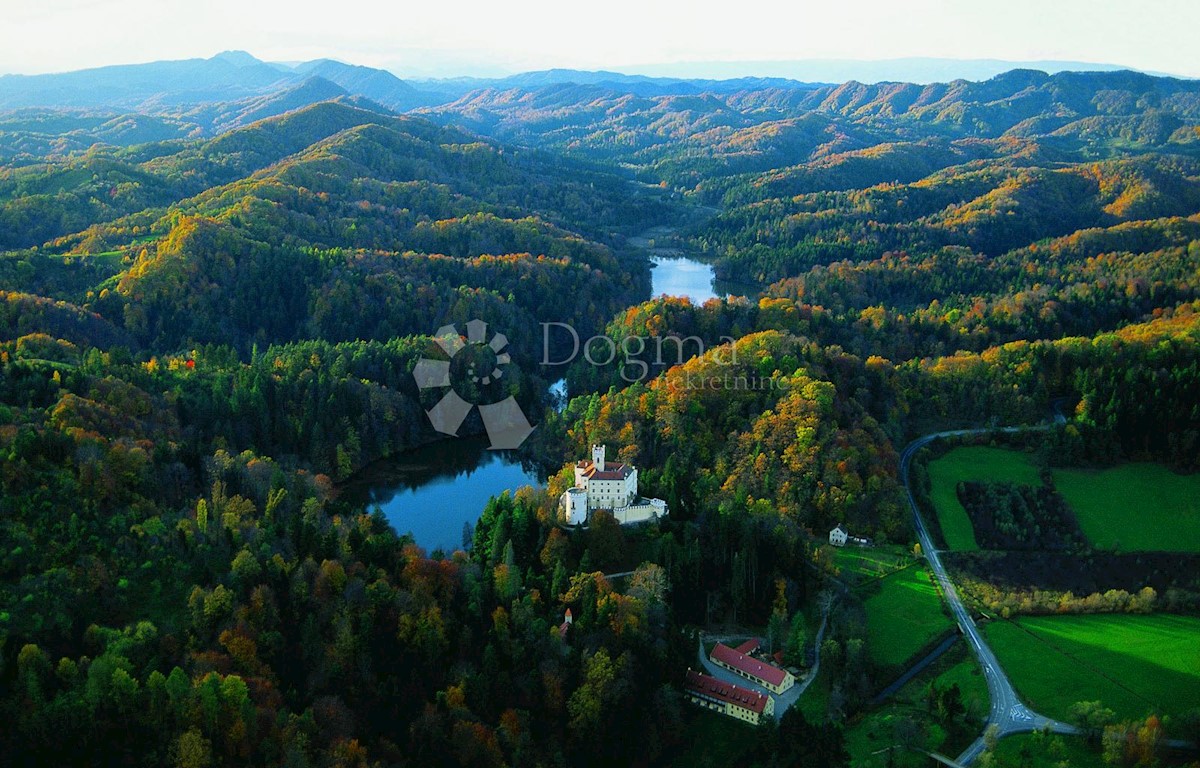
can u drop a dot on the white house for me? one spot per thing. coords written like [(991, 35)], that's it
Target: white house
[(601, 484), (838, 536)]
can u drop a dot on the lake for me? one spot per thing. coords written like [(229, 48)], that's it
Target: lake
[(681, 276), (433, 491)]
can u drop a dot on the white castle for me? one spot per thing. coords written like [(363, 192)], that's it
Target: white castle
[(607, 485)]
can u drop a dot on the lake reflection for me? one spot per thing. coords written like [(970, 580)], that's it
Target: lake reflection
[(681, 276), (433, 491)]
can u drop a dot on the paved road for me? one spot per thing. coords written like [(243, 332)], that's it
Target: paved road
[(1007, 712), (621, 575)]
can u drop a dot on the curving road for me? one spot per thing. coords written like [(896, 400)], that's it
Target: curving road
[(1007, 713)]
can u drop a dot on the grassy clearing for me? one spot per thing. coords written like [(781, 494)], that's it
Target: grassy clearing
[(904, 614), (964, 673), (972, 463), (859, 564), (868, 739), (714, 739), (814, 702), (1135, 665), (1135, 507), (1131, 507), (1035, 750)]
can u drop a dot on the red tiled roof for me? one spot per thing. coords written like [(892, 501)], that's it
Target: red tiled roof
[(748, 647), (726, 655), (726, 692), (610, 471)]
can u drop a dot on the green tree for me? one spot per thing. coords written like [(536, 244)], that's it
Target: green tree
[(192, 750), (797, 639)]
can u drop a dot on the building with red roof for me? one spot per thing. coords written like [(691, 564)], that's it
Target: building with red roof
[(748, 647), (727, 698), (769, 676), (607, 485)]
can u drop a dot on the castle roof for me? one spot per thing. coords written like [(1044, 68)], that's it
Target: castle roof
[(752, 667), (718, 690), (610, 471)]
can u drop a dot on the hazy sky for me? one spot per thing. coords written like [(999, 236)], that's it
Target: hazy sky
[(476, 37)]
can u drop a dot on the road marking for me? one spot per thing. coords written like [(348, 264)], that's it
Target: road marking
[(1005, 695)]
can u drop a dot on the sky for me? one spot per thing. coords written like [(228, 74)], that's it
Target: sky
[(471, 37)]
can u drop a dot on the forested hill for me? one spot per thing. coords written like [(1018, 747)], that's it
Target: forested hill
[(177, 243), (686, 140), (212, 302)]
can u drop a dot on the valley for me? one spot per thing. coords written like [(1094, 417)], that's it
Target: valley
[(236, 530)]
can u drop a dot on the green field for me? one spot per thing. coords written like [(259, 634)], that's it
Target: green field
[(814, 702), (1036, 750), (868, 739), (904, 614), (1135, 506), (965, 674), (865, 563), (972, 463), (1135, 665), (1131, 506), (713, 739)]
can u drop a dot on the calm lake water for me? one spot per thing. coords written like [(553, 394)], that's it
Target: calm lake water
[(432, 491), (681, 276)]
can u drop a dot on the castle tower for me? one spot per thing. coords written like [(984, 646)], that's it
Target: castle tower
[(598, 456)]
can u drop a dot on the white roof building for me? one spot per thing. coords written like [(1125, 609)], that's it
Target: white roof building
[(613, 486), (838, 536)]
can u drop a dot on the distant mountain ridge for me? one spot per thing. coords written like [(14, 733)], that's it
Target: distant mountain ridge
[(231, 76), (236, 75), (750, 121), (919, 70), (164, 83), (375, 84), (759, 128)]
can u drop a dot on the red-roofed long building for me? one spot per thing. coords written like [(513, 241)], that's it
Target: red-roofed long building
[(748, 647), (727, 698), (769, 676)]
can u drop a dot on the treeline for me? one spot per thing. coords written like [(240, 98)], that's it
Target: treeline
[(166, 607), (383, 226), (209, 283), (1006, 516), (1088, 582), (991, 207)]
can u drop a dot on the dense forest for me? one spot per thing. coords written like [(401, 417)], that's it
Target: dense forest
[(210, 319)]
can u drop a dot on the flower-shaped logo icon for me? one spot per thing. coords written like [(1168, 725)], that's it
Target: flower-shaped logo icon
[(477, 363)]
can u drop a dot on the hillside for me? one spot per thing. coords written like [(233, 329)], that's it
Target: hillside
[(345, 199), (218, 283)]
